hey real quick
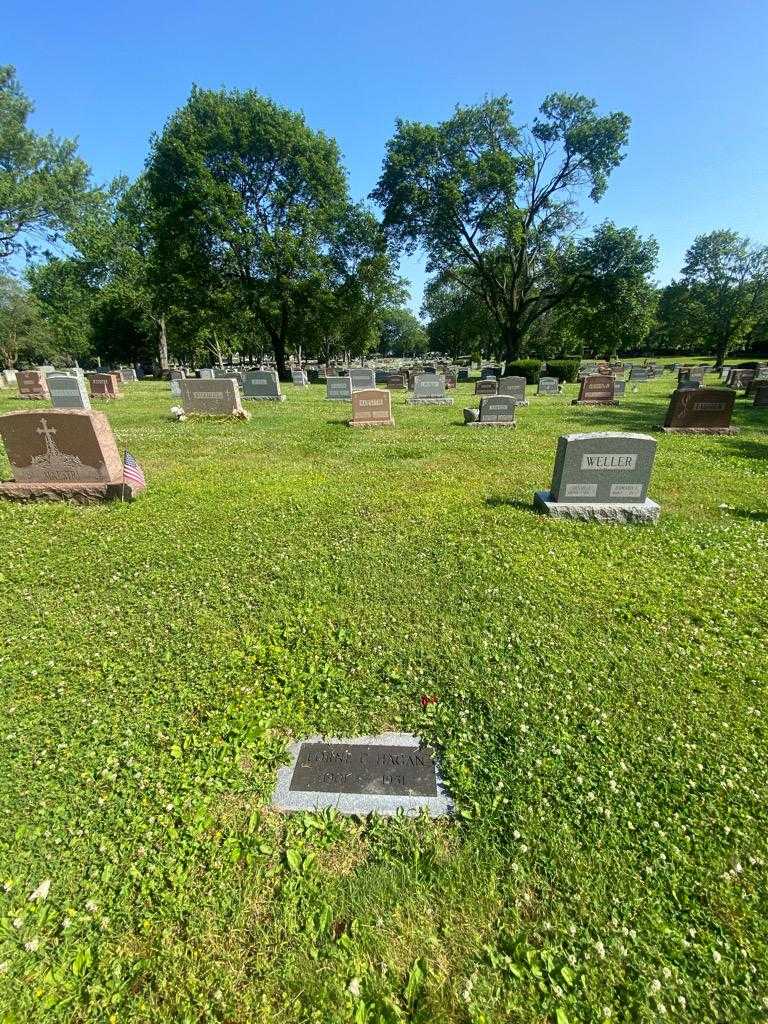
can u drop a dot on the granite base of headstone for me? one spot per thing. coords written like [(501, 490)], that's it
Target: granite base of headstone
[(62, 455), (387, 774), (601, 478)]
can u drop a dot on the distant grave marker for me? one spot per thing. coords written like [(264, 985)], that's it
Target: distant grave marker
[(362, 377), (338, 389), (514, 387), (429, 389), (549, 386), (487, 386), (700, 411), (596, 390), (211, 397), (104, 385), (371, 407), (67, 391), (495, 411), (32, 386), (262, 385)]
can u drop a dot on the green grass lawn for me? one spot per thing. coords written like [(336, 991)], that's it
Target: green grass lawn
[(601, 720)]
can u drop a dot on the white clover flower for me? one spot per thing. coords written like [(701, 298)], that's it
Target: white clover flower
[(32, 945), (600, 948), (18, 922), (354, 988), (91, 906), (4, 967), (41, 892), (655, 985), (717, 957)]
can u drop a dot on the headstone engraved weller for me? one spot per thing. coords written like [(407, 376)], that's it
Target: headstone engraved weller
[(262, 385), (361, 775), (700, 411), (602, 477), (371, 407), (62, 454)]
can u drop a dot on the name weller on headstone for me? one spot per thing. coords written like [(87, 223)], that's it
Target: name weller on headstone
[(602, 477)]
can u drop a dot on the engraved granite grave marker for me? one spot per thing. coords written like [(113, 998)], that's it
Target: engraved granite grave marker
[(32, 384), (596, 390), (67, 391), (371, 407), (515, 387), (602, 477), (700, 411), (361, 775), (429, 389), (262, 385), (211, 397), (338, 389), (495, 411)]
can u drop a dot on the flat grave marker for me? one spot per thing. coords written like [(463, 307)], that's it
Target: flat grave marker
[(361, 775)]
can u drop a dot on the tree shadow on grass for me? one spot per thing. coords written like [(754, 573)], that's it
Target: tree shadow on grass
[(497, 501), (628, 417), (746, 513), (735, 447)]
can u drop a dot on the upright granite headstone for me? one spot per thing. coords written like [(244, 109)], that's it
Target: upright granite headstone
[(429, 389), (104, 385), (495, 411), (514, 387), (549, 386), (619, 388), (596, 390), (602, 477), (490, 371), (129, 376), (396, 382), (299, 378), (362, 377), (211, 397), (688, 384), (67, 391), (32, 384), (740, 379), (486, 386), (371, 407), (338, 389), (206, 373), (639, 375), (700, 411), (262, 385), (462, 375), (761, 395), (62, 454)]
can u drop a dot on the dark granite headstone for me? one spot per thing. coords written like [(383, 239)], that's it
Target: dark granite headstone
[(596, 390), (701, 411)]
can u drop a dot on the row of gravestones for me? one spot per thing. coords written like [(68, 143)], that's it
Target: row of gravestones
[(66, 388)]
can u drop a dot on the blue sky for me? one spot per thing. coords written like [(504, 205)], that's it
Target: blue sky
[(691, 75)]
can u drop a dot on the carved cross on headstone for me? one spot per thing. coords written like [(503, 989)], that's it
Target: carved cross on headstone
[(49, 432)]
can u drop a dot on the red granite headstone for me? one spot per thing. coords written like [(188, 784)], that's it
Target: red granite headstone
[(701, 411)]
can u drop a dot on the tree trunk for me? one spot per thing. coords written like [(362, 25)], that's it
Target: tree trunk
[(513, 342), (721, 352), (278, 343), (162, 343)]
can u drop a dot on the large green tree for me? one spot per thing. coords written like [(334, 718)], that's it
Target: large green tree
[(401, 333), (616, 305), (252, 201), (458, 322), (724, 292), (44, 185), (478, 192)]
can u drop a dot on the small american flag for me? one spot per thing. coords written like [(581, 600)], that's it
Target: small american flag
[(132, 472)]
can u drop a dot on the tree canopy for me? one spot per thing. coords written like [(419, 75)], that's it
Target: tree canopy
[(479, 193)]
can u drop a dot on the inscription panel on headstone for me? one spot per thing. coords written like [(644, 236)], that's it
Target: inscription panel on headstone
[(364, 768)]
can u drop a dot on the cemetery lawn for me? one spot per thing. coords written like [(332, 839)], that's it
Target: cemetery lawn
[(600, 718)]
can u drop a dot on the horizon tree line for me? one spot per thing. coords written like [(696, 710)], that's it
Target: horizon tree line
[(241, 236)]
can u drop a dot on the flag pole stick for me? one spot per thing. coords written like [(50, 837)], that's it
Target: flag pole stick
[(122, 489)]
